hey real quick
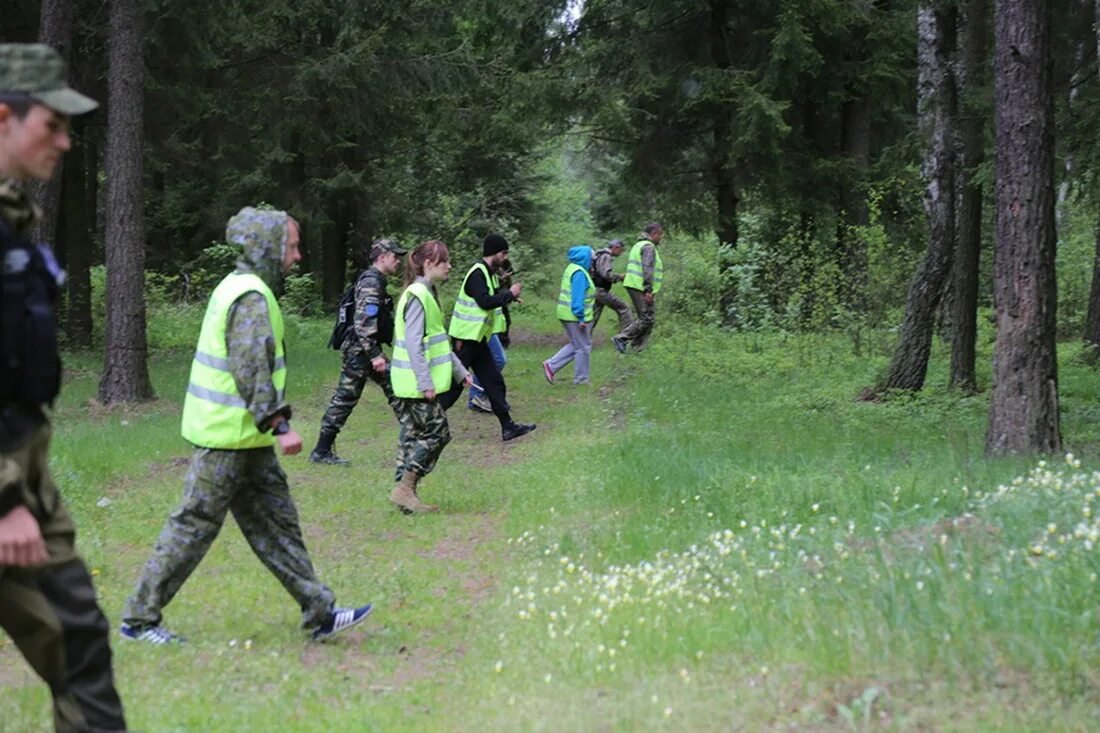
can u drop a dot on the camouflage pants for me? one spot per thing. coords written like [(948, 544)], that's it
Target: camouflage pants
[(251, 485), (423, 436), (354, 374), (51, 614), (615, 303), (637, 333)]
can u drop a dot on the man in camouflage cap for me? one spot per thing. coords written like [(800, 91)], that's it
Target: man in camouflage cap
[(235, 413), (371, 326), (47, 602)]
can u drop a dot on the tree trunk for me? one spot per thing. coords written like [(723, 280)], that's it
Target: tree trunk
[(125, 373), (937, 105), (964, 316), (55, 29), (1023, 408), (1092, 320), (852, 199), (335, 252), (76, 235), (725, 176)]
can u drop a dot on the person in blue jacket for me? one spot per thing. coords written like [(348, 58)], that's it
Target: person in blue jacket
[(576, 301)]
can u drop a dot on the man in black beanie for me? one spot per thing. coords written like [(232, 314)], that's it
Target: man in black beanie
[(477, 308)]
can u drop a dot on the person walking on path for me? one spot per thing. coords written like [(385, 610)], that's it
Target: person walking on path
[(644, 273), (604, 276), (372, 326), (234, 413), (424, 371), (472, 324), (576, 302), (498, 341), (47, 601)]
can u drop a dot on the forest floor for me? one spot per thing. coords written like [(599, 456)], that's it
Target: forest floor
[(714, 535)]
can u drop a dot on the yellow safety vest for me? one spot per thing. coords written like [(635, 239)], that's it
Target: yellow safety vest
[(214, 413), (500, 323), (468, 320), (437, 346), (634, 279), (565, 295)]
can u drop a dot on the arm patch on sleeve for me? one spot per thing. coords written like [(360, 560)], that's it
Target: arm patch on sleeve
[(371, 310)]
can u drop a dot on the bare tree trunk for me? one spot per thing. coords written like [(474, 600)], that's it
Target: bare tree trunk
[(125, 372), (76, 234), (726, 197), (964, 317), (1023, 408), (55, 29), (1092, 320), (937, 102)]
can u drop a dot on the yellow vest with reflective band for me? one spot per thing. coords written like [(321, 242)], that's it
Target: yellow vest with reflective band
[(214, 413), (565, 295), (468, 320), (500, 323), (437, 346), (634, 278)]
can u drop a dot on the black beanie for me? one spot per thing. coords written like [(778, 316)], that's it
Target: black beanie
[(493, 243)]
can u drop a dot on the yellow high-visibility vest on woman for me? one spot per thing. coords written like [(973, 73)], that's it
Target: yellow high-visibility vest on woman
[(437, 346), (565, 295), (214, 413), (634, 276)]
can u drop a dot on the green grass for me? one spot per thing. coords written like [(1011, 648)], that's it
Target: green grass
[(714, 536)]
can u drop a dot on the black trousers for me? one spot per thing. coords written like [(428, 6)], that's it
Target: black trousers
[(476, 356)]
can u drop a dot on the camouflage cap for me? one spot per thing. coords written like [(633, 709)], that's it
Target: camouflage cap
[(37, 71), (379, 246), (615, 243)]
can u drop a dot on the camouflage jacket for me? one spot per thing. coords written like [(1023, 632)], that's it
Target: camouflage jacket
[(649, 261), (603, 273), (16, 423), (373, 306)]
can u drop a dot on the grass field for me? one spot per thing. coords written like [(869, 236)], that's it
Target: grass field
[(715, 535)]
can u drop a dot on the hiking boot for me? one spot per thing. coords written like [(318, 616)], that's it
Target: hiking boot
[(324, 452), (156, 635), (341, 618), (481, 403), (405, 497), (328, 457), (619, 343), (548, 372), (515, 430)]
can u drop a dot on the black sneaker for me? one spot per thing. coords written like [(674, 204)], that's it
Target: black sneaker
[(515, 430), (328, 457), (620, 344)]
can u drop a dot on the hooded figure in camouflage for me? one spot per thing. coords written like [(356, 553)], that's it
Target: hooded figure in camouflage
[(235, 412)]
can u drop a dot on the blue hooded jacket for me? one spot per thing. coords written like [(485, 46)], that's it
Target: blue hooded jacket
[(579, 255)]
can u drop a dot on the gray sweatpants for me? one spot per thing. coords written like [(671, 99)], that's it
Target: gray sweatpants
[(578, 351)]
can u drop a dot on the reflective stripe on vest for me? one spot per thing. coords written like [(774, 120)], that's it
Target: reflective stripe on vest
[(468, 320), (214, 413), (565, 295), (500, 323), (634, 276), (437, 346)]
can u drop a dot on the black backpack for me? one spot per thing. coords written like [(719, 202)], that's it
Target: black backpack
[(345, 314)]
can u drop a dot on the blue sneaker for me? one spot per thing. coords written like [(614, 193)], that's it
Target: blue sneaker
[(157, 635), (341, 618)]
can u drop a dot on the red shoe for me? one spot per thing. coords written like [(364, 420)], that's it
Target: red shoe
[(548, 372)]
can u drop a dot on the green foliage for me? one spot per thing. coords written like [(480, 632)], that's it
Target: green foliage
[(1075, 264), (302, 296)]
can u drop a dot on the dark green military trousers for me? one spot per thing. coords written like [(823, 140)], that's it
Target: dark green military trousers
[(354, 373), (252, 485), (51, 614), (424, 432)]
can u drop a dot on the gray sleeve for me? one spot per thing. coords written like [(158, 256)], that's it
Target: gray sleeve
[(414, 344), (649, 261)]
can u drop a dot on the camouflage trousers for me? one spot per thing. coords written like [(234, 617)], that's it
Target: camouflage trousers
[(51, 614), (637, 333), (252, 485), (615, 303), (423, 436), (354, 374)]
